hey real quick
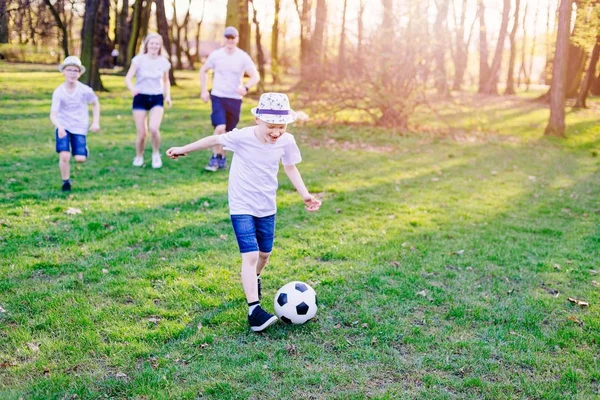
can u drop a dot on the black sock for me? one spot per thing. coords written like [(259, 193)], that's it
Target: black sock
[(252, 306)]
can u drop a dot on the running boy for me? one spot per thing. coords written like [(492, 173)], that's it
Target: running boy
[(69, 114), (258, 150)]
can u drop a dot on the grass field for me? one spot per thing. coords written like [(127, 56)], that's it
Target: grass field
[(443, 260)]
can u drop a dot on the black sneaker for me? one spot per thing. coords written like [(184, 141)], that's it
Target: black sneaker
[(222, 161), (66, 187), (259, 288), (259, 320), (213, 164)]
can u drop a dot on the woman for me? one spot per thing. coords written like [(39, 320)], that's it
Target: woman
[(151, 90)]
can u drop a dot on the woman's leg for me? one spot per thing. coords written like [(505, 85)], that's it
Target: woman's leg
[(139, 116), (154, 121)]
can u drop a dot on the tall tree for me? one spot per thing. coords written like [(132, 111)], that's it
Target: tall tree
[(3, 22), (61, 26), (589, 76), (484, 68), (303, 7), (461, 46), (318, 35), (134, 32), (237, 15), (260, 55), (103, 45), (441, 82), (124, 32), (275, 68), (89, 57), (556, 123), (163, 30), (342, 49), (510, 79), (491, 86)]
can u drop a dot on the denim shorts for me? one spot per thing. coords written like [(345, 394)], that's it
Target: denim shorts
[(147, 101), (254, 233), (225, 111), (72, 142)]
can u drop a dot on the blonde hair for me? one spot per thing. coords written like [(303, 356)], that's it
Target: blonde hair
[(149, 37)]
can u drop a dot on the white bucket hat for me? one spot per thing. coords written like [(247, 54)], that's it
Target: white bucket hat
[(274, 108), (74, 61)]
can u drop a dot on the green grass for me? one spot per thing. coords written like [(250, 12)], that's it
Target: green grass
[(435, 258)]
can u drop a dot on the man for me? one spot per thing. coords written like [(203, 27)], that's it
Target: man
[(229, 64)]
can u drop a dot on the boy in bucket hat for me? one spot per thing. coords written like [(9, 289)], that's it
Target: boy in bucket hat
[(69, 114), (257, 152)]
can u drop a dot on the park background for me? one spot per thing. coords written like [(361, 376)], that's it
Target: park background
[(455, 146)]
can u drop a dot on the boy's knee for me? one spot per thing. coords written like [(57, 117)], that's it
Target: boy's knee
[(219, 130), (250, 259), (264, 257), (64, 156), (80, 159)]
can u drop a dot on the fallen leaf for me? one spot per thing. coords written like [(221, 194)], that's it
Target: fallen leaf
[(34, 347), (594, 272), (532, 178), (422, 293), (365, 325), (120, 375), (154, 320), (204, 345), (557, 266), (80, 276), (223, 237), (594, 283), (104, 271), (575, 319), (199, 326), (374, 341), (2, 310), (579, 302), (73, 211), (457, 252), (291, 349), (206, 204), (338, 210)]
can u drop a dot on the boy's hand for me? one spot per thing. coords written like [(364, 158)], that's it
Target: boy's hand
[(175, 152), (205, 96), (62, 132), (311, 203), (95, 127), (168, 101)]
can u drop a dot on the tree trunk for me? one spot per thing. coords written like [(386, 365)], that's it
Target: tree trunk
[(595, 86), (163, 30), (491, 87), (317, 39), (103, 46), (484, 69), (260, 55), (91, 77), (63, 29), (124, 33), (3, 22), (145, 20), (556, 123), (134, 32), (441, 82), (361, 34), (237, 15), (532, 54), (275, 73), (589, 76), (304, 13), (510, 79)]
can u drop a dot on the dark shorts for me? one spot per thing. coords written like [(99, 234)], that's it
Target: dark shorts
[(147, 101), (254, 233), (72, 142), (225, 112)]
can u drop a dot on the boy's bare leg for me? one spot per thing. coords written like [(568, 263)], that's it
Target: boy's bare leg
[(139, 116), (80, 159), (64, 164), (249, 283), (263, 259), (218, 149)]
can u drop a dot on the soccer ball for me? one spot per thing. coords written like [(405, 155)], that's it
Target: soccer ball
[(295, 303)]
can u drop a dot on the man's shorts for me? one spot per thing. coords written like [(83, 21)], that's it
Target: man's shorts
[(225, 111), (148, 101), (72, 142), (254, 233)]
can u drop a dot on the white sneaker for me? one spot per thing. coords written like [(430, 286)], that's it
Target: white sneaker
[(156, 160), (138, 161)]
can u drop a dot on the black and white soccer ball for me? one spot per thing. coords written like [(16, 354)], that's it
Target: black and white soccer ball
[(296, 303)]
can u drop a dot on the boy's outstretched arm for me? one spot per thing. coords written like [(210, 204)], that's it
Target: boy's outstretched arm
[(311, 203), (201, 144), (95, 127)]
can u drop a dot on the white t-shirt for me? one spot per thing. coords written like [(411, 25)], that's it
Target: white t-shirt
[(228, 71), (254, 167), (149, 73), (72, 108)]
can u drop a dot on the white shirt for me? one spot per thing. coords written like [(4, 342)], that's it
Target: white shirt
[(254, 167), (228, 71), (149, 73), (72, 108)]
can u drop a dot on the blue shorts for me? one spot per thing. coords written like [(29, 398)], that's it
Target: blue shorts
[(254, 233), (147, 101), (225, 111), (78, 144)]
